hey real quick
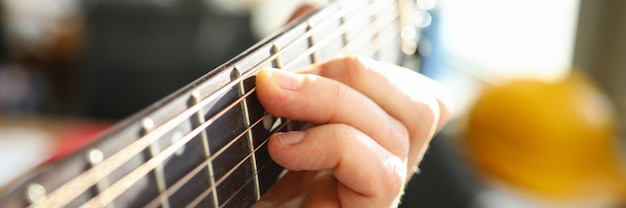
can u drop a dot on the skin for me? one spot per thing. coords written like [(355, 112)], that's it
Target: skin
[(373, 122)]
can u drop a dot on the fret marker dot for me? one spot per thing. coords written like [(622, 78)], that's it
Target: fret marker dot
[(95, 156), (175, 137), (147, 123), (35, 192)]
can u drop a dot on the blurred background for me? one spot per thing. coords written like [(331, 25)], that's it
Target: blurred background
[(537, 85)]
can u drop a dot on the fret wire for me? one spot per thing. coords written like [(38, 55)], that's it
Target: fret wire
[(158, 174), (241, 192), (172, 189), (94, 156), (199, 118), (311, 41), (198, 199), (342, 25), (79, 184), (246, 120), (279, 63)]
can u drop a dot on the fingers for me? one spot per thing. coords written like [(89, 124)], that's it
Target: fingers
[(320, 101), (372, 176), (421, 104)]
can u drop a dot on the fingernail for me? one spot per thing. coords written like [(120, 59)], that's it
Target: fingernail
[(291, 138), (286, 80)]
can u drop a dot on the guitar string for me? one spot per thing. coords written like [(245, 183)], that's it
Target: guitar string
[(185, 180), (138, 172), (79, 184)]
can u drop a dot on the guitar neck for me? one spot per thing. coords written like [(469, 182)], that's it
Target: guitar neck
[(206, 144)]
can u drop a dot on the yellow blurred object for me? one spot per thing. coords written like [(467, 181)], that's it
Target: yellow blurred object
[(556, 139)]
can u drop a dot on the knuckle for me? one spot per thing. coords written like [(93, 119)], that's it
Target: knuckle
[(403, 133), (397, 131), (355, 69), (342, 132), (429, 107), (339, 91), (429, 117)]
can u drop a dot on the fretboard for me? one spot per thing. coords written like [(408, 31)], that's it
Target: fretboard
[(206, 144)]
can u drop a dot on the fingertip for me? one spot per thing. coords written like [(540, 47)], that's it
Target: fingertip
[(445, 111), (269, 92), (445, 105), (280, 78), (264, 79), (290, 156), (275, 149)]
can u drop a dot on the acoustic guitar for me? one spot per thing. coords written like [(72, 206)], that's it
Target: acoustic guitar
[(206, 144)]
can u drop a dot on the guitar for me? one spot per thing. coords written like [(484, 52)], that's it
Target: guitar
[(206, 144)]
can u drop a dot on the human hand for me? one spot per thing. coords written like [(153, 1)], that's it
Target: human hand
[(373, 124)]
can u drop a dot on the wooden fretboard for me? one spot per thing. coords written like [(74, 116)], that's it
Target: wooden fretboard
[(206, 144)]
